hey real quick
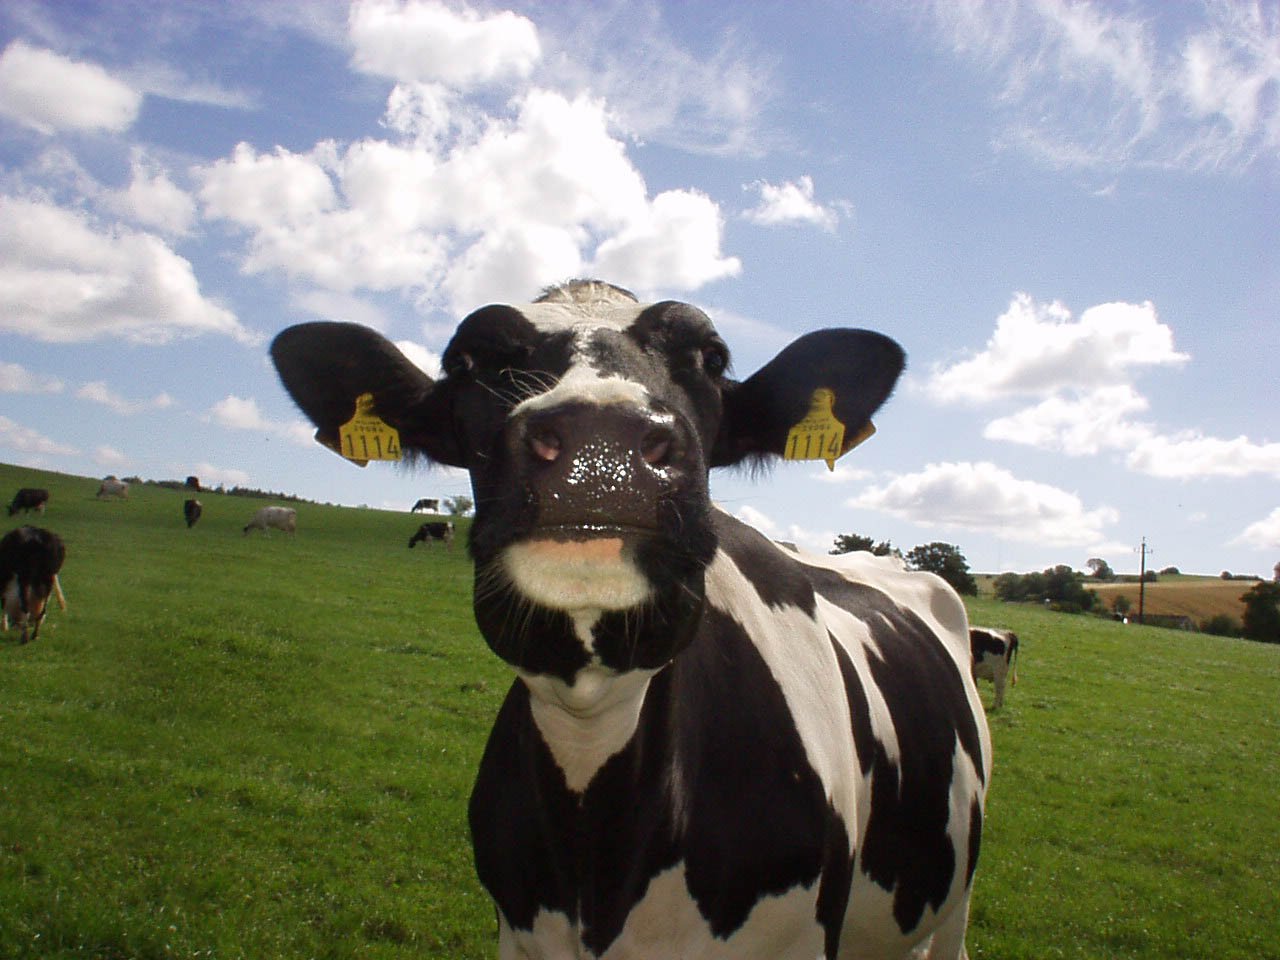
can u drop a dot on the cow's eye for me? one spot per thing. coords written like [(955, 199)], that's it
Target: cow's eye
[(714, 360), (459, 363)]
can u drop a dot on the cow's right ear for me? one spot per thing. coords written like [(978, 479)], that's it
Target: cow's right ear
[(326, 367)]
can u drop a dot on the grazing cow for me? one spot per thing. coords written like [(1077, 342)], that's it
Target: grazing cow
[(426, 505), (438, 530), (29, 498), (995, 655), (282, 518), (713, 747), (30, 558), (113, 486), (191, 510)]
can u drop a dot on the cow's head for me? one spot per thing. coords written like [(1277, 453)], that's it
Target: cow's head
[(589, 423)]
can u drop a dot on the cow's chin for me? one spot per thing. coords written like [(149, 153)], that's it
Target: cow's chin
[(580, 571)]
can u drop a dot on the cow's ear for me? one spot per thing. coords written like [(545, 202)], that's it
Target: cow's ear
[(326, 367), (859, 367)]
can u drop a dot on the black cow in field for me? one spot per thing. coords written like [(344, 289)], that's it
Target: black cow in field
[(426, 505), (995, 655), (29, 498), (439, 530), (193, 483), (714, 747), (30, 558), (191, 511)]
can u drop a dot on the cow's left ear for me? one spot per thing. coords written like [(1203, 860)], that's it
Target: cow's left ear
[(859, 367), (327, 367)]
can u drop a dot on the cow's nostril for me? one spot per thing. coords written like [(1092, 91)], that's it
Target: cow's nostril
[(656, 445), (545, 445)]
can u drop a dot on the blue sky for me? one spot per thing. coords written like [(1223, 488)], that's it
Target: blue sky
[(1066, 212)]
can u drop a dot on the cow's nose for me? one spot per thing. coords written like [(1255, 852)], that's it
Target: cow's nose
[(609, 465)]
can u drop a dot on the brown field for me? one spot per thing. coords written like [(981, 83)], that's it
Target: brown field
[(1196, 597)]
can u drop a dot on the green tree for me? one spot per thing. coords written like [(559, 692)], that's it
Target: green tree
[(1262, 613), (1099, 569), (946, 561), (853, 542), (458, 506)]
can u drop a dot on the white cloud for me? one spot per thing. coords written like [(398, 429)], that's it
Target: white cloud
[(24, 439), (1190, 454), (49, 93), (110, 457), (1038, 349), (1089, 85), (1263, 534), (1095, 421), (98, 392), (428, 361), (153, 200), (510, 205), (986, 498), (419, 41), (213, 476), (15, 378), (808, 540), (63, 280), (243, 413), (342, 307), (789, 202)]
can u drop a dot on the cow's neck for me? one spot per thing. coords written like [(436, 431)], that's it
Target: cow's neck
[(585, 722)]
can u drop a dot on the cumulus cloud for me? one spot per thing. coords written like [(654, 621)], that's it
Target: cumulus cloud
[(428, 361), (810, 540), (1095, 421), (790, 202), (154, 200), (1039, 348), (1189, 454), (503, 209), (420, 41), (15, 378), (110, 458), (211, 475), (1263, 534), (243, 413), (98, 392), (49, 93), (986, 498), (63, 279), (25, 440), (1090, 85)]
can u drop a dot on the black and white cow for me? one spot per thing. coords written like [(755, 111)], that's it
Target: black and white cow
[(29, 498), (113, 486), (714, 748), (426, 505), (995, 655), (30, 558), (191, 512), (441, 530)]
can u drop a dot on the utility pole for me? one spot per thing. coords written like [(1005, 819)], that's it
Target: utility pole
[(1142, 580)]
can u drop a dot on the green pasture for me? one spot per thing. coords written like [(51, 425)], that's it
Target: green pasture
[(260, 746)]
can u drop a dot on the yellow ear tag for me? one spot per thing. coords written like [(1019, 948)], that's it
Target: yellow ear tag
[(820, 436), (366, 436)]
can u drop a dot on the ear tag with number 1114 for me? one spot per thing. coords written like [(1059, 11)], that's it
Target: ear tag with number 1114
[(820, 436), (366, 436)]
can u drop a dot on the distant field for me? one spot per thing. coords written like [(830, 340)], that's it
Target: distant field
[(259, 747), (1199, 598)]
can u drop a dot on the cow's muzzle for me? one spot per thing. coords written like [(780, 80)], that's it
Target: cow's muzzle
[(592, 469)]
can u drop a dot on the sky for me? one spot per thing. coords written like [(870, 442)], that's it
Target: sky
[(1066, 212)]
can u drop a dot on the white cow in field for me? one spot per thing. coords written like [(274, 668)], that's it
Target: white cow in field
[(282, 518), (113, 486)]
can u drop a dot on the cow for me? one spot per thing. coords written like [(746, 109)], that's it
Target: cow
[(191, 511), (29, 498), (437, 530), (193, 483), (281, 518), (995, 654), (30, 558), (712, 747), (426, 505), (113, 486)]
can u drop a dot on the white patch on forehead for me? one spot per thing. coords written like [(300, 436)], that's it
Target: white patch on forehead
[(579, 317), (584, 384)]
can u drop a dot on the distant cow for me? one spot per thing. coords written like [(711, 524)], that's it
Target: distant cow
[(995, 655), (29, 498), (712, 747), (191, 510), (438, 530), (426, 505), (193, 483), (30, 558), (113, 486), (282, 518)]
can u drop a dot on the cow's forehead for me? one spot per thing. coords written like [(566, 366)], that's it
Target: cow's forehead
[(581, 318)]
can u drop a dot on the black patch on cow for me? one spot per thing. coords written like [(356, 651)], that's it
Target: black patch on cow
[(776, 577), (975, 839), (727, 790), (528, 635), (906, 848), (984, 642)]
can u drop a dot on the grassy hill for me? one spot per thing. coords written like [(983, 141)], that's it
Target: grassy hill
[(263, 746)]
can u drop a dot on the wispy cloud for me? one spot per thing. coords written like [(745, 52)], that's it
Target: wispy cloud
[(98, 392)]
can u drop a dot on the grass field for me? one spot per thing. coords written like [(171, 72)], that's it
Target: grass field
[(262, 747), (1199, 598)]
